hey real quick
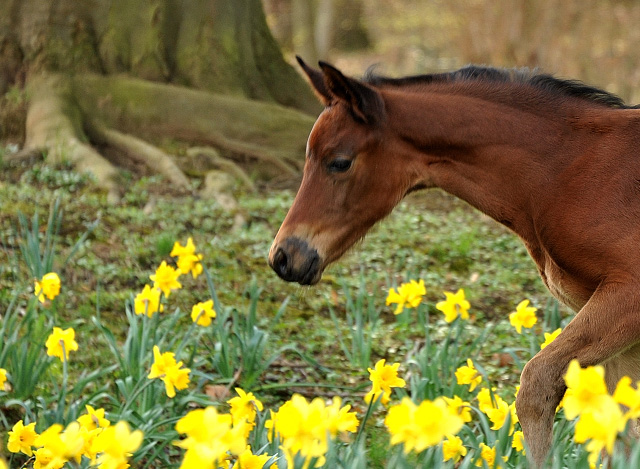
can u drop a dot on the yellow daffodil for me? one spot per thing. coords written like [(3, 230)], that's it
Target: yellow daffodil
[(454, 305), (459, 407), (409, 295), (186, 250), (500, 413), (3, 379), (586, 390), (166, 279), (453, 449), (210, 436), (202, 313), (94, 418), (305, 427), (339, 419), (148, 301), (600, 426), (61, 342), (161, 362), (190, 264), (248, 460), (170, 372), (420, 427), (116, 444), (485, 401), (63, 445), (22, 438), (628, 396), (468, 375), (244, 406), (383, 378), (487, 455), (48, 458), (302, 427), (48, 286), (523, 316), (188, 260), (518, 442), (550, 337)]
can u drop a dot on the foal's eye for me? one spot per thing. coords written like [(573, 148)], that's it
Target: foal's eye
[(339, 165)]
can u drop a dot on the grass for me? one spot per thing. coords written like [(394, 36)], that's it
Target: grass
[(430, 236), (271, 338)]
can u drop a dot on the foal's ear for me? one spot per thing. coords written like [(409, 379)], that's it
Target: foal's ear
[(317, 81), (364, 102)]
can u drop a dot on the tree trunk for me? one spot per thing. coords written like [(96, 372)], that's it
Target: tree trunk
[(121, 72)]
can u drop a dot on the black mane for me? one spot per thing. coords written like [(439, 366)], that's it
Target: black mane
[(549, 83)]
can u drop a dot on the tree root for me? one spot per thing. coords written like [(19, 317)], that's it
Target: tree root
[(25, 156), (252, 151), (263, 132), (65, 115), (53, 126), (224, 164), (140, 151)]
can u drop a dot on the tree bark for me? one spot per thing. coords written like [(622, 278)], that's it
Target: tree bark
[(120, 72)]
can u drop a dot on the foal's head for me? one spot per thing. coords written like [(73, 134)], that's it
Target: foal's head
[(350, 180)]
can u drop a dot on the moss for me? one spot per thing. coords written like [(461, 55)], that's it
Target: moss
[(13, 114), (155, 111)]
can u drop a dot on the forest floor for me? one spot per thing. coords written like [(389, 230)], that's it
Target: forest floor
[(430, 236)]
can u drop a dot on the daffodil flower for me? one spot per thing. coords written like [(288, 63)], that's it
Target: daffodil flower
[(148, 301), (468, 375), (3, 379), (409, 295), (166, 279), (550, 337), (383, 378), (523, 316), (453, 449), (244, 406), (202, 313), (188, 260), (169, 371), (419, 427), (586, 389), (22, 438), (454, 305), (61, 342), (48, 286)]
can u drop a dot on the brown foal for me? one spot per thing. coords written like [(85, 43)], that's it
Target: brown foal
[(556, 161)]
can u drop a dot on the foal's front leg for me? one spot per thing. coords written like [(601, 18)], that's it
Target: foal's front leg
[(608, 324)]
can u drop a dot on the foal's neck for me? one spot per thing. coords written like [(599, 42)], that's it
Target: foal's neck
[(489, 153)]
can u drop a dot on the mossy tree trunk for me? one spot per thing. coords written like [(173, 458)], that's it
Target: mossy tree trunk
[(125, 73)]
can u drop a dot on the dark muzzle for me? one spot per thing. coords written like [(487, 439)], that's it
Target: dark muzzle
[(295, 261)]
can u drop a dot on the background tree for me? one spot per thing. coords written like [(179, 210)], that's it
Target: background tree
[(319, 29), (595, 41), (108, 80)]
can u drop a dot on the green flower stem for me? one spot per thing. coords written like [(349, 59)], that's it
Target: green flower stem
[(26, 464), (372, 405), (65, 378), (135, 394), (212, 289), (189, 333)]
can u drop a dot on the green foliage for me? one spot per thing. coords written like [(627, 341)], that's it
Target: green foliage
[(268, 337), (362, 320), (434, 364), (18, 354)]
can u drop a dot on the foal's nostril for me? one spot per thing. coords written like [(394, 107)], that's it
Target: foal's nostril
[(295, 261), (281, 264)]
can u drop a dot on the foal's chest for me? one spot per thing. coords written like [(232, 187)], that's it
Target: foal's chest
[(565, 287)]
